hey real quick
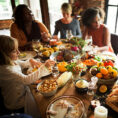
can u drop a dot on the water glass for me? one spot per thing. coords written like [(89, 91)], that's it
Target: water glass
[(92, 85), (55, 71), (69, 34)]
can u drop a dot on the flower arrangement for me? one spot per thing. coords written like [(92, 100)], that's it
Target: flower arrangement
[(78, 44)]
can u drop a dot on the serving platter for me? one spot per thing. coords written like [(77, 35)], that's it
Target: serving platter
[(57, 105), (55, 54)]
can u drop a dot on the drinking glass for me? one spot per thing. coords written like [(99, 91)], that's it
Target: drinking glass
[(55, 71), (89, 40), (68, 34), (92, 85)]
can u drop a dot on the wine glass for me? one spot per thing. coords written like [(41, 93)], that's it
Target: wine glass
[(55, 71), (68, 34), (92, 85), (89, 40)]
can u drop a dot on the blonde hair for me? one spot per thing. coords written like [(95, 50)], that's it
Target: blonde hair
[(7, 45), (66, 8)]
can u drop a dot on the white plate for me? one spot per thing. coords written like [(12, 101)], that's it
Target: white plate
[(29, 54), (61, 111), (54, 55)]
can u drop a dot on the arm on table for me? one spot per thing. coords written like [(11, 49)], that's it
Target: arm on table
[(29, 63), (107, 38), (43, 28), (85, 33), (78, 31), (28, 79)]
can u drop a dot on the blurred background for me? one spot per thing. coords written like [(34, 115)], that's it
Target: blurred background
[(48, 11)]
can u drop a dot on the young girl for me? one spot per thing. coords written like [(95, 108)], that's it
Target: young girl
[(12, 81)]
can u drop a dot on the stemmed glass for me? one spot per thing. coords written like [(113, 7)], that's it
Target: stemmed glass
[(55, 71), (68, 34), (92, 85), (35, 43), (89, 40)]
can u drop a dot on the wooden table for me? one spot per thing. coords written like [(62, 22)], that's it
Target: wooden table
[(67, 90)]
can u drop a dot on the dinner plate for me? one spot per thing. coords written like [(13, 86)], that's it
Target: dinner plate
[(75, 104), (107, 55), (54, 55), (27, 55)]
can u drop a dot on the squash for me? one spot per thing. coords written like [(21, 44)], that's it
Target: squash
[(62, 66)]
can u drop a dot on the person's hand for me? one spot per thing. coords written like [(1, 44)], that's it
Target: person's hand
[(35, 64), (45, 37), (55, 37), (49, 63)]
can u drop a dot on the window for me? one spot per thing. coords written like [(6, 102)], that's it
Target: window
[(112, 15), (5, 9), (34, 6), (55, 12), (36, 10)]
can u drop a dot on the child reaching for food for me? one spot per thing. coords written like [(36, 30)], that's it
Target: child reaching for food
[(12, 81)]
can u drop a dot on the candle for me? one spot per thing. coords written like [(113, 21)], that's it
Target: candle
[(100, 112)]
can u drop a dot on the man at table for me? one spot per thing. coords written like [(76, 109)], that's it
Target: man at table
[(25, 28)]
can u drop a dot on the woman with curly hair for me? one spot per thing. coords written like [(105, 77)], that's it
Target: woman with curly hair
[(25, 28), (93, 21)]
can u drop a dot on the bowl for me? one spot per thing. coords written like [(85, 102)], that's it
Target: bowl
[(81, 90), (49, 93), (107, 82)]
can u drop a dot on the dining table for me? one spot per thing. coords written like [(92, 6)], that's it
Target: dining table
[(67, 90)]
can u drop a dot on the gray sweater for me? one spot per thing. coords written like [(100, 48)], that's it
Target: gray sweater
[(74, 26)]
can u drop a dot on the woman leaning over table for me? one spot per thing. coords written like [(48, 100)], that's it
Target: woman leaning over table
[(92, 20), (25, 28), (13, 82), (67, 23)]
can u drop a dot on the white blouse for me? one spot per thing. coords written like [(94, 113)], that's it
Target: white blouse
[(13, 83)]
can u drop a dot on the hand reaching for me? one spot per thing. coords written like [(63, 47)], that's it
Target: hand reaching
[(49, 63), (35, 64)]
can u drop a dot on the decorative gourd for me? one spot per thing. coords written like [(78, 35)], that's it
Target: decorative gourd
[(62, 66)]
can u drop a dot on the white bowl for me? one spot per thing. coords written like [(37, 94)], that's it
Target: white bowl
[(47, 94)]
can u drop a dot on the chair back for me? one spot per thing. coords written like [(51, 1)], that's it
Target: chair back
[(114, 42)]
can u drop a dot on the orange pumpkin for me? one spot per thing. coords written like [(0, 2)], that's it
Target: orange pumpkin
[(62, 66), (104, 71)]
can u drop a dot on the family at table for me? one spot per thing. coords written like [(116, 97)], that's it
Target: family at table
[(24, 30)]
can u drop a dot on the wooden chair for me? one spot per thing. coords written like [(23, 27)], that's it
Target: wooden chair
[(114, 42)]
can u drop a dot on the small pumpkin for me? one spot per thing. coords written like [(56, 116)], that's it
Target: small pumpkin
[(99, 75), (103, 88), (104, 71), (62, 66)]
